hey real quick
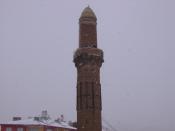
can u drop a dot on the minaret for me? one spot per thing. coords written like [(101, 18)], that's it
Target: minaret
[(88, 60)]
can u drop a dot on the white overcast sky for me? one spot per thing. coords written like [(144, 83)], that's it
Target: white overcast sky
[(37, 41)]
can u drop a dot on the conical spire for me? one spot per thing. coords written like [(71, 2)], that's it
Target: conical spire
[(87, 13)]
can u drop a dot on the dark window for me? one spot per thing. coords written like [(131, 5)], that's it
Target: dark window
[(80, 95), (92, 88), (8, 129), (20, 129)]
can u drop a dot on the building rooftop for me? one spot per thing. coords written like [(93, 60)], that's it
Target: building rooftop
[(37, 121)]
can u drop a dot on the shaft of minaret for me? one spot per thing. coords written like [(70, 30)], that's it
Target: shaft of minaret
[(87, 29), (88, 60)]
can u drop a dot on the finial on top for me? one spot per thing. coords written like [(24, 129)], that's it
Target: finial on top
[(88, 13)]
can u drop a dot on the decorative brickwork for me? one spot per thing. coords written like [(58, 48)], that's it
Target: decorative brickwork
[(88, 60)]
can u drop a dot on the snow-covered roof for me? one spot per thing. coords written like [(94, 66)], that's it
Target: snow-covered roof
[(62, 124), (33, 121), (30, 121)]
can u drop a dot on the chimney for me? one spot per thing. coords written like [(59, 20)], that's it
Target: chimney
[(62, 117), (36, 118), (16, 118), (44, 115)]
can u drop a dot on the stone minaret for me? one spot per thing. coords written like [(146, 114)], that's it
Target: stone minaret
[(88, 60)]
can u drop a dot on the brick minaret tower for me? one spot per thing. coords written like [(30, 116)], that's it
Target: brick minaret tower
[(88, 60)]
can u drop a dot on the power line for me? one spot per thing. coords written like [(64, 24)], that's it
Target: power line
[(108, 124)]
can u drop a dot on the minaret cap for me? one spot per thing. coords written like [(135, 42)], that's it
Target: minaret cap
[(88, 13)]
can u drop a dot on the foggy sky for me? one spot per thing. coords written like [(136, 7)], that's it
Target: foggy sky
[(37, 42)]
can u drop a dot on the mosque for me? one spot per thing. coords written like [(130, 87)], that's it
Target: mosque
[(88, 59)]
